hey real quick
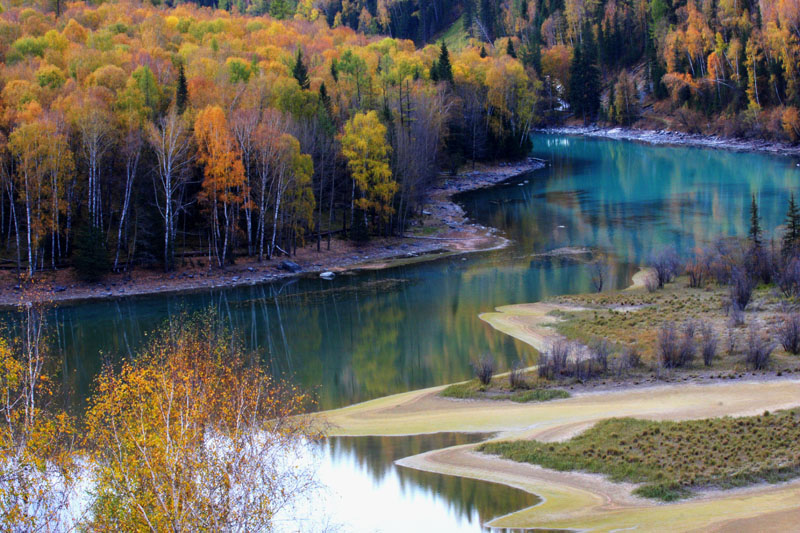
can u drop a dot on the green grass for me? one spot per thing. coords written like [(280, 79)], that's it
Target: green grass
[(473, 390), (455, 37), (670, 459)]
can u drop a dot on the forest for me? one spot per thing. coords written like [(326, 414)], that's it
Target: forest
[(131, 132)]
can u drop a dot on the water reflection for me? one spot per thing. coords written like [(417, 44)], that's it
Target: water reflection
[(390, 498), (375, 333)]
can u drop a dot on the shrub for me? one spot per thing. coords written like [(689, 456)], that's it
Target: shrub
[(600, 350), (516, 377), (789, 334), (787, 277), (731, 338), (484, 369), (759, 350), (651, 282), (666, 266), (741, 288), (668, 345), (698, 268), (687, 350), (599, 272), (553, 362), (674, 350), (708, 343)]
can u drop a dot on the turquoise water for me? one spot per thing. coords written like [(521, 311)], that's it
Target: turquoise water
[(370, 334)]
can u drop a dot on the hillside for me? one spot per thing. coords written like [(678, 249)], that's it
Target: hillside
[(134, 134)]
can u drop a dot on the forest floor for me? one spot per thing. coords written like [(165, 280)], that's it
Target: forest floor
[(442, 229), (677, 138)]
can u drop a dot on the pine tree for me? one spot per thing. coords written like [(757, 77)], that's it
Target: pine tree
[(755, 224), (792, 233), (435, 71), (300, 72), (576, 81), (469, 17), (487, 20), (335, 71), (445, 69), (324, 98), (591, 76), (584, 85), (510, 48), (181, 92)]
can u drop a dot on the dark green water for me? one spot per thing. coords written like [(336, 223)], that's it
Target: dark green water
[(367, 335)]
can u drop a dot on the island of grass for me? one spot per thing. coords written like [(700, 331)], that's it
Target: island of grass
[(500, 390), (671, 460)]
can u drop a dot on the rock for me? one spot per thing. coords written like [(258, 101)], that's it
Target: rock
[(327, 275), (290, 266), (59, 288)]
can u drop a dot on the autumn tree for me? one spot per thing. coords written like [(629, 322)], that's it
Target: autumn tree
[(43, 162), (38, 471), (224, 187), (367, 152), (191, 437), (170, 143)]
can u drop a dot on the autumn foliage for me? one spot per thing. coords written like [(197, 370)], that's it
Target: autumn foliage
[(204, 131), (190, 435)]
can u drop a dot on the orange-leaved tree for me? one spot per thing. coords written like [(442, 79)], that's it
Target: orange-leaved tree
[(224, 185)]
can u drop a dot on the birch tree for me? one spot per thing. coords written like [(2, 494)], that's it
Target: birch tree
[(171, 144)]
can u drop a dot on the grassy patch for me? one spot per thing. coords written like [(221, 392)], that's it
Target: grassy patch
[(473, 390), (670, 459), (634, 317)]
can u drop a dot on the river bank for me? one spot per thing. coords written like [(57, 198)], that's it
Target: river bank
[(677, 138), (443, 229), (574, 500)]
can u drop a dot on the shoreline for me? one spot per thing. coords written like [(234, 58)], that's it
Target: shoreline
[(578, 500), (676, 138), (452, 234)]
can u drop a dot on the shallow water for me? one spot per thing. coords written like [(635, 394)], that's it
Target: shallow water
[(392, 498)]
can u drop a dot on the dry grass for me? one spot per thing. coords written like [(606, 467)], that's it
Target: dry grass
[(633, 318)]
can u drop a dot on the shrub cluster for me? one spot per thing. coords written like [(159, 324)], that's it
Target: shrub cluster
[(569, 360)]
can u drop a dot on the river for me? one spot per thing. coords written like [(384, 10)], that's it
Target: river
[(370, 334)]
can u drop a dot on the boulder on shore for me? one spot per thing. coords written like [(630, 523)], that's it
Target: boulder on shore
[(290, 266)]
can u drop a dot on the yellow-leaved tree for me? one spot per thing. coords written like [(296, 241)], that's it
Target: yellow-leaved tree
[(193, 435), (367, 152), (37, 465)]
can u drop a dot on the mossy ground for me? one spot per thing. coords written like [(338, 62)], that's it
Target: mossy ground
[(671, 459)]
